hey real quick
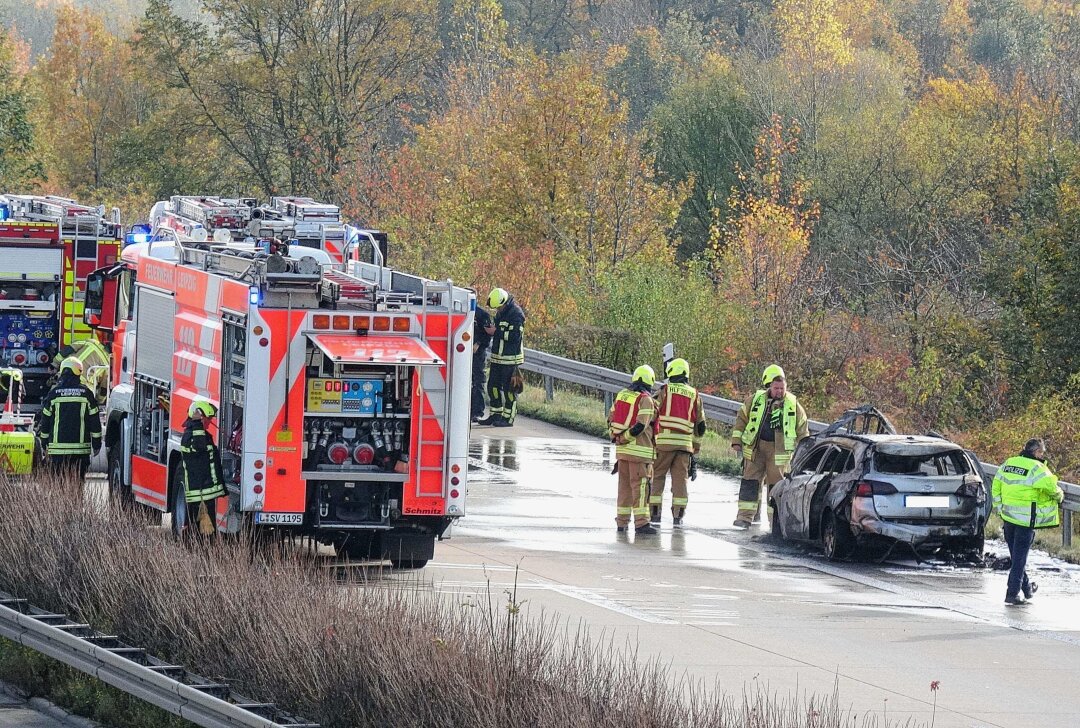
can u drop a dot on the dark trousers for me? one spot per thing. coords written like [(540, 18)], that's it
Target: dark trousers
[(74, 465), (1019, 539), (186, 517), (503, 400), (479, 379)]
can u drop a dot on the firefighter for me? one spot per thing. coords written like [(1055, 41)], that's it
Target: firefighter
[(200, 464), (507, 354), (680, 425), (630, 425), (1026, 495), (70, 428), (483, 330), (767, 429)]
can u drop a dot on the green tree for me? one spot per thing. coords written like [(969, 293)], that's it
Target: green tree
[(702, 131)]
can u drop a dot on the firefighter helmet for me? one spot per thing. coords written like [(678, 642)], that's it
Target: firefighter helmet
[(72, 363), (645, 375), (497, 297), (203, 406), (771, 373), (677, 368)]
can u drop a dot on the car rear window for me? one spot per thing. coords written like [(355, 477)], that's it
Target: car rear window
[(950, 462)]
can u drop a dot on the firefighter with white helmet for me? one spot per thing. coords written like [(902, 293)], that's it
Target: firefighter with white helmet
[(768, 427), (630, 425), (70, 427), (680, 426), (201, 474)]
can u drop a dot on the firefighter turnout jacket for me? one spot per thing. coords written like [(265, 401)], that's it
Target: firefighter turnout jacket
[(680, 422), (507, 345), (200, 463), (786, 418), (1026, 493), (630, 425), (70, 424)]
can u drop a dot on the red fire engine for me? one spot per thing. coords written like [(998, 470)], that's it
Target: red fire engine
[(48, 247), (344, 399), (307, 223)]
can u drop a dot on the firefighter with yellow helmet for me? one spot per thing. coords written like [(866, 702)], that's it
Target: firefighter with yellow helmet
[(630, 425), (201, 474), (680, 425), (767, 429), (507, 354), (70, 426)]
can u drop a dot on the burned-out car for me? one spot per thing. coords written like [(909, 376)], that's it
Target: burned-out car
[(859, 484)]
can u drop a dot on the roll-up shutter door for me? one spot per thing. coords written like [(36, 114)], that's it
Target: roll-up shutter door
[(154, 334)]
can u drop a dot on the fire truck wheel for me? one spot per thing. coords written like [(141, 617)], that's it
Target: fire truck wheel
[(176, 493), (117, 488)]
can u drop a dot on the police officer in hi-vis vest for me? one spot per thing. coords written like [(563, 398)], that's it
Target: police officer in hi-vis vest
[(768, 427)]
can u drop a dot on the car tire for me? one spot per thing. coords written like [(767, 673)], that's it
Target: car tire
[(836, 539)]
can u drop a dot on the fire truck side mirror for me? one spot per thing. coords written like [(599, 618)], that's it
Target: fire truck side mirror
[(99, 309)]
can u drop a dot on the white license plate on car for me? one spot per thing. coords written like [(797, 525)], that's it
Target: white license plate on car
[(926, 501), (279, 519)]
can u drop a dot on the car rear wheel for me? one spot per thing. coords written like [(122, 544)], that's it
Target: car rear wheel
[(776, 521), (836, 538)]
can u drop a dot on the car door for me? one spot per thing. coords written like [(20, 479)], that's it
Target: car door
[(791, 493), (833, 463)]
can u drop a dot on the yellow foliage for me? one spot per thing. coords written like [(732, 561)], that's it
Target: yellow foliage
[(814, 33)]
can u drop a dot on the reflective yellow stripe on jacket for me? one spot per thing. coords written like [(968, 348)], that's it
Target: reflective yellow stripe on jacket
[(1026, 493)]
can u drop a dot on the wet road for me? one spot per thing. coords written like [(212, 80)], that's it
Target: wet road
[(721, 604)]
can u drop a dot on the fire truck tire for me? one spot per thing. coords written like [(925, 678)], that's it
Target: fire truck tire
[(176, 493), (117, 487), (405, 564)]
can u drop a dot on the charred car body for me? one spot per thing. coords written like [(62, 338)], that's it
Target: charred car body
[(858, 484)]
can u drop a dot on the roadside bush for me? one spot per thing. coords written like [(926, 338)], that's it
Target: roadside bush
[(367, 653)]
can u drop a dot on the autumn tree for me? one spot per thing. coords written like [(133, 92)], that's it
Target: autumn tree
[(88, 99), (17, 163), (762, 254), (292, 88)]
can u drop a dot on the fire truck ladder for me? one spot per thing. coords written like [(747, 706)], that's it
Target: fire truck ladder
[(171, 687), (436, 386)]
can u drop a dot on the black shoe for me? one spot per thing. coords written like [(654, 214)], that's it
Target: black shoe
[(646, 530), (654, 515), (502, 422), (1028, 594), (740, 523), (489, 420), (677, 522), (1016, 601), (620, 529)]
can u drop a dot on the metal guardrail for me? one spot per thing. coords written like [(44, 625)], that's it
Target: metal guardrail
[(133, 671), (610, 382)]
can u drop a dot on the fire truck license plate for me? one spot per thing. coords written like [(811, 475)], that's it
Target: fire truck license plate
[(279, 519)]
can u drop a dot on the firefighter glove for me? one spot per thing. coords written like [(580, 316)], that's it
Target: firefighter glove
[(637, 429), (693, 468)]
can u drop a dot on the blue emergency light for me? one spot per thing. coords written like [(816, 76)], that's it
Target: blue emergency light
[(138, 234)]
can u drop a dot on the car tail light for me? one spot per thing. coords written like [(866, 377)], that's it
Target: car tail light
[(972, 489), (870, 488)]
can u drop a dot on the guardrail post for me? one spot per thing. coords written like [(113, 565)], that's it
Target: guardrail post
[(607, 401), (549, 387), (1066, 527)]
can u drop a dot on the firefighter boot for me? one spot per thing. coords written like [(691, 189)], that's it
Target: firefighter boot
[(654, 514)]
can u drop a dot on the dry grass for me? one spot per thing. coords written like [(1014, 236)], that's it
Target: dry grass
[(367, 654)]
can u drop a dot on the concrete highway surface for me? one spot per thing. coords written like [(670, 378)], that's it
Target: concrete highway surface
[(724, 605)]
